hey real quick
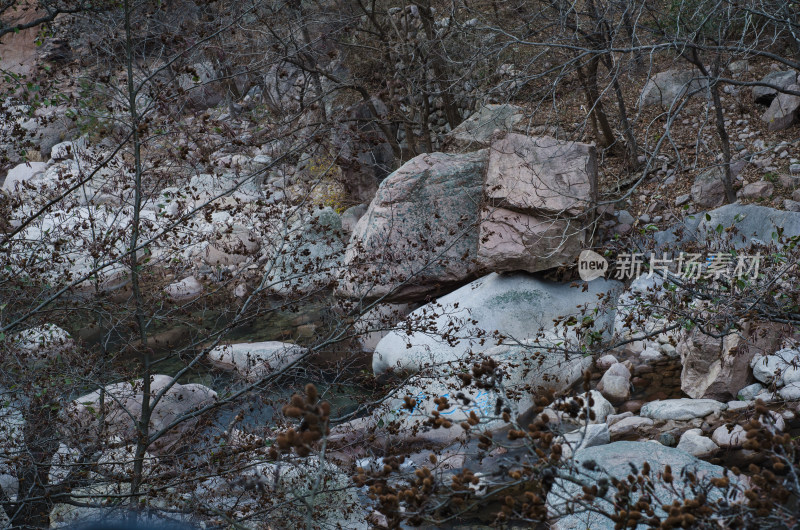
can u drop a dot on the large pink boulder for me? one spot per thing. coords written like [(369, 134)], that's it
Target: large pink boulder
[(537, 191)]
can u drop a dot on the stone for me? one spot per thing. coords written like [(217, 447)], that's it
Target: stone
[(68, 150), (615, 418), (680, 200), (123, 402), (600, 407), (605, 362), (769, 369), (756, 190), (22, 173), (764, 95), (736, 67), (717, 368), (309, 257), (41, 342), (419, 235), (625, 217), (708, 190), (791, 205), (234, 248), (665, 88), (541, 174), (512, 241), (784, 111), (668, 439), (255, 360), (514, 305), (790, 392), (749, 392), (351, 216), (617, 459), (185, 289), (694, 443), (734, 406), (535, 187), (530, 365), (615, 385), (732, 437), (651, 355), (753, 223), (682, 409), (476, 131), (588, 436)]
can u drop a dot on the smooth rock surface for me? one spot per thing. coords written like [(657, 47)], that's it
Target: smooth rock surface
[(694, 443), (515, 305), (254, 360), (22, 173), (185, 289), (681, 409)]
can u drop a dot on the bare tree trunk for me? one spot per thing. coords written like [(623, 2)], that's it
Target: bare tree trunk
[(143, 434)]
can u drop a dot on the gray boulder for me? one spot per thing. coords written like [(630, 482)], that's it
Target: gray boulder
[(516, 306), (753, 224), (717, 368), (420, 233), (665, 88), (764, 95), (784, 111), (476, 131), (708, 191), (694, 443), (22, 173), (681, 409), (615, 460)]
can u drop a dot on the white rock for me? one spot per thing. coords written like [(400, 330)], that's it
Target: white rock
[(749, 392), (738, 405), (615, 385), (771, 368), (185, 289), (629, 425), (651, 355), (515, 305), (694, 443), (589, 436), (22, 173), (254, 360), (725, 437), (601, 407), (605, 362), (681, 409), (790, 392)]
